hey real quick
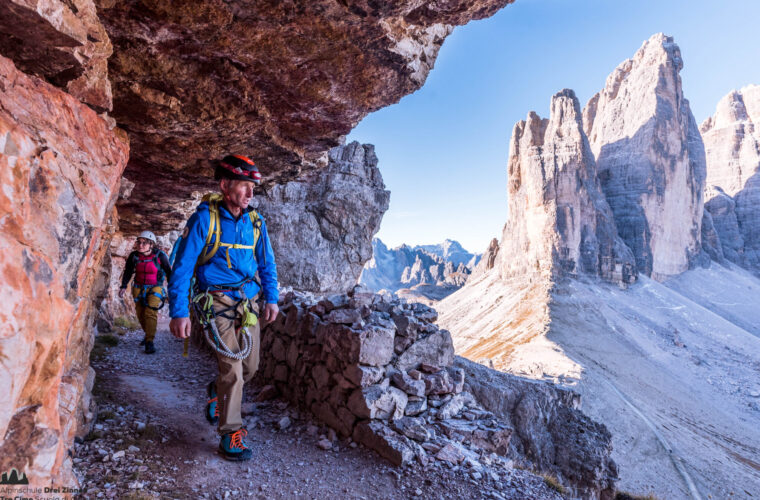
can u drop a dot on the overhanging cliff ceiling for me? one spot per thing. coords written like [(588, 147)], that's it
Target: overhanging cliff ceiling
[(281, 81)]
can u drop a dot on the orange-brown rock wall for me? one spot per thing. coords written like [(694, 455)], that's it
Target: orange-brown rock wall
[(60, 169)]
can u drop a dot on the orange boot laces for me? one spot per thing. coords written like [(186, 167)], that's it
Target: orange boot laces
[(236, 439), (216, 408)]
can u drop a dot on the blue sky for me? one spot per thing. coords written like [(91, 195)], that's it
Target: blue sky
[(443, 150)]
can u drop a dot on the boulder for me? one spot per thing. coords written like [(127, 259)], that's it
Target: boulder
[(378, 402), (435, 349)]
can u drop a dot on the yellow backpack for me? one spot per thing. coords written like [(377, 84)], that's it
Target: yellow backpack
[(215, 230)]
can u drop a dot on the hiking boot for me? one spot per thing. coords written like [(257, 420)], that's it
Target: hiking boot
[(149, 347), (232, 446), (212, 405), (143, 341)]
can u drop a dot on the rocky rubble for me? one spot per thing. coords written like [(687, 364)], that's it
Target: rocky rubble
[(382, 373)]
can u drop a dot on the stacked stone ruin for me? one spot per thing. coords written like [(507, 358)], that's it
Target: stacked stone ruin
[(381, 372)]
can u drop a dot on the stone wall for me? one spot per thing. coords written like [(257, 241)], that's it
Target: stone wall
[(382, 373), (60, 167)]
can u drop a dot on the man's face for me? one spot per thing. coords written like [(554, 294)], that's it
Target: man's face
[(237, 193)]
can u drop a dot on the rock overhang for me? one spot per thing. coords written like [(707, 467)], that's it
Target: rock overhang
[(280, 81)]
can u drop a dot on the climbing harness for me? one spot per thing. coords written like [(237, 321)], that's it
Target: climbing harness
[(145, 292), (203, 305)]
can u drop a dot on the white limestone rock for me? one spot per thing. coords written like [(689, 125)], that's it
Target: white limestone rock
[(560, 223), (732, 147), (650, 158)]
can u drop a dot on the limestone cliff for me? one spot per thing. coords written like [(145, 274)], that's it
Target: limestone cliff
[(559, 222), (732, 147), (650, 158), (322, 224), (60, 165)]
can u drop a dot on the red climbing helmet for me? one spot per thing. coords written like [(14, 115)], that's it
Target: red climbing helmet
[(237, 167)]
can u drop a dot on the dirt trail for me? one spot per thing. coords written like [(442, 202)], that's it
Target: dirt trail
[(150, 407)]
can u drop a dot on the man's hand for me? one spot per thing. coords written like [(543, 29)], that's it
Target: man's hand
[(121, 293), (270, 312), (180, 327)]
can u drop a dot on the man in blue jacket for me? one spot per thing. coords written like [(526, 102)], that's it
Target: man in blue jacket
[(229, 244)]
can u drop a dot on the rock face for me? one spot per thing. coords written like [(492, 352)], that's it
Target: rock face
[(280, 81), (62, 42), (60, 167), (383, 373), (650, 158), (732, 147), (425, 272), (322, 224), (559, 222)]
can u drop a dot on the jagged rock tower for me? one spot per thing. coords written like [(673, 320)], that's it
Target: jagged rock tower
[(650, 158), (560, 223), (732, 147)]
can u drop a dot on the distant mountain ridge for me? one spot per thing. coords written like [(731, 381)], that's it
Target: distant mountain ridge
[(433, 271)]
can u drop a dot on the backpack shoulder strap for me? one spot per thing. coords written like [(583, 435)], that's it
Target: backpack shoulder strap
[(256, 221), (214, 229)]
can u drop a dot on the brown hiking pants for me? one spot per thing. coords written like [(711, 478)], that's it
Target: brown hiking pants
[(233, 373), (148, 317)]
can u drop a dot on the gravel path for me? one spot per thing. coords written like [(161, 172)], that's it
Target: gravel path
[(151, 440)]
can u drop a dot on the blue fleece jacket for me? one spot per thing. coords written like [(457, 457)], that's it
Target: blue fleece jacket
[(216, 271)]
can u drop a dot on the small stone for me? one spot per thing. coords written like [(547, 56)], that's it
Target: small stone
[(450, 453), (133, 449), (140, 426), (429, 368), (283, 423), (325, 444), (118, 455)]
